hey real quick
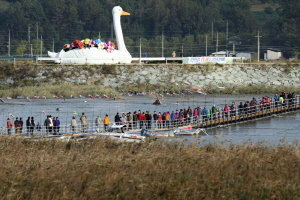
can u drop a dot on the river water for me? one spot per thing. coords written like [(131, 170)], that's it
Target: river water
[(271, 130)]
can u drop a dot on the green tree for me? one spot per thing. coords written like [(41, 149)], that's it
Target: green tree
[(22, 47), (36, 47), (238, 13), (289, 23)]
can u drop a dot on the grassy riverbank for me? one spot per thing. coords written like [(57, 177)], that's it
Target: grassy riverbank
[(59, 90), (152, 170), (67, 89)]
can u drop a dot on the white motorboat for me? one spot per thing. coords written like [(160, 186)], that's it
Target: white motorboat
[(117, 132)]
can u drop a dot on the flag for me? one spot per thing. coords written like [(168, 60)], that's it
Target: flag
[(200, 91), (76, 113), (44, 112), (11, 115)]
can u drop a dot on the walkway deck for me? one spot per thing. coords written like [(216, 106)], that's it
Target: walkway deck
[(249, 116)]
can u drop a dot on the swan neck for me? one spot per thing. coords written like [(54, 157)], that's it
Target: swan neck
[(119, 33)]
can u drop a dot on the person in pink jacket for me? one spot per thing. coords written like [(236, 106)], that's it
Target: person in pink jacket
[(195, 114)]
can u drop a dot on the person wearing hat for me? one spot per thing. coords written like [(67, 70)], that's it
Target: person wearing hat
[(84, 123), (73, 124), (9, 126)]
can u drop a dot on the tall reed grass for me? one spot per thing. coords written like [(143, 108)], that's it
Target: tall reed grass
[(103, 169), (67, 89), (59, 90)]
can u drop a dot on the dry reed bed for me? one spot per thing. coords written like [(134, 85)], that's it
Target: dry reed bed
[(59, 90), (103, 169), (67, 89)]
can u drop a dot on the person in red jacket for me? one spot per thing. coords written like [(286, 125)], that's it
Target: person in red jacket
[(159, 121), (140, 118), (9, 126)]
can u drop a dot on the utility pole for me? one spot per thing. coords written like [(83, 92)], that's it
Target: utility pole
[(8, 43), (30, 50), (140, 49), (29, 39), (162, 44), (233, 48), (41, 45), (212, 32), (206, 45), (258, 46), (99, 36), (53, 45), (227, 37), (37, 31), (217, 44)]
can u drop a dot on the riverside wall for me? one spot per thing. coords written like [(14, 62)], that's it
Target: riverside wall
[(161, 75)]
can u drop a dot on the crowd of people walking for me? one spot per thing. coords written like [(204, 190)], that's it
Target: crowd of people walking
[(166, 119)]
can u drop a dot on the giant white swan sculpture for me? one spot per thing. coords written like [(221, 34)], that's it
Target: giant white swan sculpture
[(99, 56)]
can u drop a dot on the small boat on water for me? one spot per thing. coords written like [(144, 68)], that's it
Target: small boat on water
[(2, 100), (158, 133), (81, 96), (20, 97), (28, 99), (91, 96), (8, 98), (186, 132), (37, 97), (157, 102), (116, 132), (73, 97)]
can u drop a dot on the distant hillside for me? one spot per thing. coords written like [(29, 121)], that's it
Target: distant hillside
[(3, 5), (262, 7), (179, 24)]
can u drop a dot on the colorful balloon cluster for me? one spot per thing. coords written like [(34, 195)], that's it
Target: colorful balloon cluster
[(87, 43)]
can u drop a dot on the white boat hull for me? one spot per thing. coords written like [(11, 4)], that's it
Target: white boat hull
[(90, 56)]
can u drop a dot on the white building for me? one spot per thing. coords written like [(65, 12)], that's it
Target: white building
[(221, 54), (273, 54), (247, 55)]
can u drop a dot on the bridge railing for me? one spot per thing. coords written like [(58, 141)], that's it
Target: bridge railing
[(238, 113)]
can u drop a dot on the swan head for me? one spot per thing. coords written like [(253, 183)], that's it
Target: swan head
[(119, 11)]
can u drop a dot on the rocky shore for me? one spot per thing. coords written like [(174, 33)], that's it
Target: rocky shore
[(164, 75)]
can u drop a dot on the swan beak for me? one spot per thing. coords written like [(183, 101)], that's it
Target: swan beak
[(125, 13)]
